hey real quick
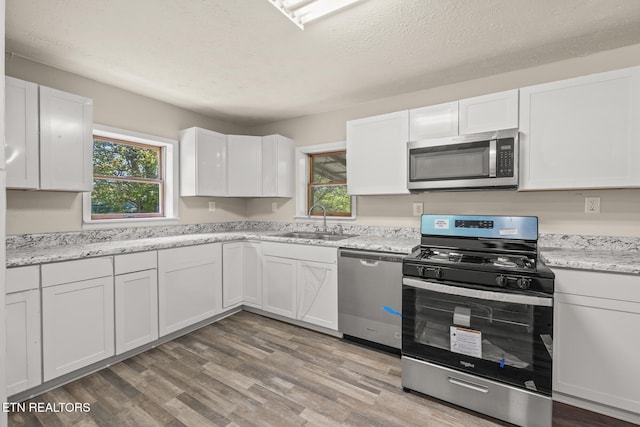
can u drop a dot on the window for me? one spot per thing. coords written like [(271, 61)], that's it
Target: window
[(128, 179), (134, 178), (328, 184), (321, 175)]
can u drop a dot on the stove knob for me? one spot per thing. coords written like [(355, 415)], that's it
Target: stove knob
[(437, 273), (523, 283), (501, 281), (420, 269)]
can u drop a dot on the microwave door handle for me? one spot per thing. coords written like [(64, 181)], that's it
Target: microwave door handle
[(492, 158)]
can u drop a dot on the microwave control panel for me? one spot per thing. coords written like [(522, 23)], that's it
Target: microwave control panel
[(505, 157)]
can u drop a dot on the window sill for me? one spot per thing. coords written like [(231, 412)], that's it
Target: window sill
[(333, 219), (128, 222)]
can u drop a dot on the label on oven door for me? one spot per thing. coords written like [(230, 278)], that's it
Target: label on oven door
[(466, 341)]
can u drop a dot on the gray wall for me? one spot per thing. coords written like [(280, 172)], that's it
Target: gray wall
[(558, 211), (45, 211)]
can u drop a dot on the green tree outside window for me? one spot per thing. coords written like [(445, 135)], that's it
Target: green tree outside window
[(127, 180)]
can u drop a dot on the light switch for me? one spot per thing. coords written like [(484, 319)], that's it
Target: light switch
[(212, 206)]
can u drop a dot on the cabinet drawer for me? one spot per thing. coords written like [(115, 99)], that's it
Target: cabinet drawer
[(135, 262), (22, 278), (624, 287), (75, 271)]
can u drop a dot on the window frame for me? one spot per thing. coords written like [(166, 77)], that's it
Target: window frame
[(169, 165), (302, 180), (311, 184)]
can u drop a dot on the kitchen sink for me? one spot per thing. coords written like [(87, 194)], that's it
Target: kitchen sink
[(314, 235)]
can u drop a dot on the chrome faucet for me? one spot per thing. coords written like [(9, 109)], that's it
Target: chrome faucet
[(324, 215)]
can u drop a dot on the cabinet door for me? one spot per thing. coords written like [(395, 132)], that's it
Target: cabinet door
[(232, 273), (21, 134), (189, 285), (433, 121), (78, 325), (136, 308), (277, 166), (66, 141), (581, 133), (244, 166), (318, 294), (377, 154), (494, 111), (279, 286), (252, 274), (203, 163), (596, 346), (23, 341)]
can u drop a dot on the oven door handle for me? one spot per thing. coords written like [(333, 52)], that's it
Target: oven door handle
[(477, 293)]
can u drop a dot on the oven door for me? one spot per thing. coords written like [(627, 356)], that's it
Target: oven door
[(500, 335)]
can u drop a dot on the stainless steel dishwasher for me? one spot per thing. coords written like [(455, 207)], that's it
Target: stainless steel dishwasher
[(370, 297)]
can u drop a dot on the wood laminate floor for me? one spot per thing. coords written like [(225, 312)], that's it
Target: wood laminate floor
[(249, 370)]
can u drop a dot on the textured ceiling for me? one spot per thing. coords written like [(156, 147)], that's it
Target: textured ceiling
[(243, 61)]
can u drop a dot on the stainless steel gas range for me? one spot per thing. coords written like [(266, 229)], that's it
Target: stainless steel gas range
[(477, 317)]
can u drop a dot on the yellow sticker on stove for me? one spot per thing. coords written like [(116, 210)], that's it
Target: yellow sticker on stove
[(466, 341)]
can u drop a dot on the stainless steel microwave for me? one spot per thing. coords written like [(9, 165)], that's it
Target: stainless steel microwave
[(483, 160)]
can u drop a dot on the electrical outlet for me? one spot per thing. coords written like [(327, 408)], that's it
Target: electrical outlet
[(274, 206), (418, 209), (212, 206), (592, 205)]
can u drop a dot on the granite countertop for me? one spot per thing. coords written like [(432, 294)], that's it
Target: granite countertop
[(44, 254), (592, 259), (596, 253)]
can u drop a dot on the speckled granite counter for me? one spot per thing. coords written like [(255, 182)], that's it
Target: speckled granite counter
[(598, 253), (54, 247)]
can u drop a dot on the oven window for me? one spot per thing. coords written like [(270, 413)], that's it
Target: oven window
[(495, 331), (450, 162)]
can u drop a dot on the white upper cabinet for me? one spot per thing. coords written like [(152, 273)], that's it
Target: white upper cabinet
[(203, 163), (244, 165), (490, 112), (277, 166), (485, 113), (66, 141), (217, 165), (581, 133), (21, 138), (377, 154), (434, 121)]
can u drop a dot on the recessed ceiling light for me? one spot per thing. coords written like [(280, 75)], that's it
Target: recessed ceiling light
[(301, 12)]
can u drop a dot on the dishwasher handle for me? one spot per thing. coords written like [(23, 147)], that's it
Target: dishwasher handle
[(371, 258)]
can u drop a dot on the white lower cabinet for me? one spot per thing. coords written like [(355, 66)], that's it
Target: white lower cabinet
[(77, 314), (279, 285), (301, 282), (318, 293), (241, 274), (22, 311), (597, 341), (189, 285), (136, 300)]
